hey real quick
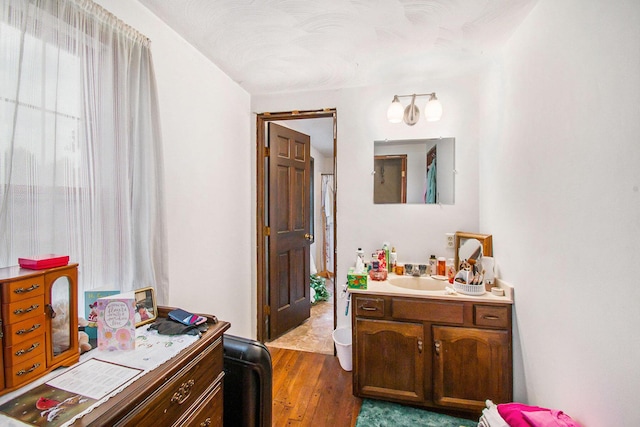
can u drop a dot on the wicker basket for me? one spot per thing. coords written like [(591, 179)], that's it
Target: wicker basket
[(469, 289)]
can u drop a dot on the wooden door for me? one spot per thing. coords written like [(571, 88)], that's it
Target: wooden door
[(389, 360), (288, 219), (470, 366), (390, 179)]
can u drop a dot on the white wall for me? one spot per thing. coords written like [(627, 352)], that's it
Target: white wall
[(560, 171), (205, 123), (415, 230)]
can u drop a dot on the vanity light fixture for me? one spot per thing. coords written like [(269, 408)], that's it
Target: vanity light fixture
[(397, 113)]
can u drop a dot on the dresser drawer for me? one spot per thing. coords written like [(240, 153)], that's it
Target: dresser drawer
[(32, 347), (209, 413), (490, 315), (22, 289), (25, 371), (167, 405), (23, 309), (369, 307), (21, 331), (427, 310)]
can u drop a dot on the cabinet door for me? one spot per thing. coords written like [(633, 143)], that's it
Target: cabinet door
[(389, 360), (470, 366), (61, 307)]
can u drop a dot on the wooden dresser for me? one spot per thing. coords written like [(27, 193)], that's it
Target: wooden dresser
[(187, 390)]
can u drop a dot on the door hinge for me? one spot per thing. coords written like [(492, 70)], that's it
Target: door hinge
[(267, 152), (267, 231), (267, 310)]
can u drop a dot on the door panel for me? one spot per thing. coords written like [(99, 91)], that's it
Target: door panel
[(289, 204)]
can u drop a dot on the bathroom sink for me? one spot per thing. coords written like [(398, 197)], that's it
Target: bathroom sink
[(418, 283)]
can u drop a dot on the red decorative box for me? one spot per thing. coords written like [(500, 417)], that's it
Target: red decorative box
[(42, 262)]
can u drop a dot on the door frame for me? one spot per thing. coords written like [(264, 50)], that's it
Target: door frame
[(263, 308)]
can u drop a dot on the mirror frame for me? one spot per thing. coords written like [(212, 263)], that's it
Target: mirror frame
[(485, 240)]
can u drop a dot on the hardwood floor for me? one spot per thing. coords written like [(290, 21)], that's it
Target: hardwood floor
[(311, 389)]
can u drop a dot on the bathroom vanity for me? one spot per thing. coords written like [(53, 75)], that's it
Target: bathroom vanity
[(425, 347)]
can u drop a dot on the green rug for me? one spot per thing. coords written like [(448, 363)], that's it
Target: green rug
[(376, 413)]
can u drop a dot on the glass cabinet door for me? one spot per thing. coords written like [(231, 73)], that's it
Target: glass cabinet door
[(62, 316)]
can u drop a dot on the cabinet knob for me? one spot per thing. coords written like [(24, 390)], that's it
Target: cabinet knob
[(437, 347), (183, 392), (26, 331), (420, 346), (26, 310), (23, 290), (22, 372), (206, 423)]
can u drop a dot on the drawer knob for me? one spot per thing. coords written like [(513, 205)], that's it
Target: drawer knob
[(183, 392), (206, 423), (22, 372), (490, 317), (26, 310), (24, 291), (28, 350), (26, 331), (367, 308)]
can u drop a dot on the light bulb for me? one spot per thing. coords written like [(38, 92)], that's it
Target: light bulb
[(433, 109), (395, 111)]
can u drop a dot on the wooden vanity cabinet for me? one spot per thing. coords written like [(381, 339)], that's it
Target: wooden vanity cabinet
[(433, 353)]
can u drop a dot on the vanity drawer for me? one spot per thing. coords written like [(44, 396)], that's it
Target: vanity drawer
[(369, 307), (22, 289), (24, 330), (427, 310), (23, 309), (175, 398), (490, 315), (24, 350), (25, 371)]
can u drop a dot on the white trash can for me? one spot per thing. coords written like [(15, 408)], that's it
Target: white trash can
[(342, 338)]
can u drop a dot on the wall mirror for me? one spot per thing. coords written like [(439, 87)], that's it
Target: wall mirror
[(415, 171), (472, 245)]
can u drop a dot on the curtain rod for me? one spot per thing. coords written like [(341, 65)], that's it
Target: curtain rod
[(110, 19)]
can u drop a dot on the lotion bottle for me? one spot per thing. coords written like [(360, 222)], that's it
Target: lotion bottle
[(432, 265), (393, 260)]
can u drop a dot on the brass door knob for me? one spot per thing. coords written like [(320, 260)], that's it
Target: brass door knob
[(308, 236)]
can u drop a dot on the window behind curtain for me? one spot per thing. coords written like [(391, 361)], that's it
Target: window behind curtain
[(80, 147)]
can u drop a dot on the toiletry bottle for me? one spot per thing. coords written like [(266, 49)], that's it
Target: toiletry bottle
[(374, 258), (360, 254), (385, 248), (432, 265), (393, 260), (451, 270), (442, 266)]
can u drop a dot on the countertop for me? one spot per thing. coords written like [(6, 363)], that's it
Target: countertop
[(384, 287)]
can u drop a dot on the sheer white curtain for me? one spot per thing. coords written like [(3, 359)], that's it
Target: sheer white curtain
[(80, 144)]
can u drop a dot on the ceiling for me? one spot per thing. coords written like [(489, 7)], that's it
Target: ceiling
[(277, 46)]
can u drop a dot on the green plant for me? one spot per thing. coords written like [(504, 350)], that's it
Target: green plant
[(317, 284)]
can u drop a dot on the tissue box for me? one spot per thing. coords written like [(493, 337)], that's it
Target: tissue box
[(357, 280), (116, 322)]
